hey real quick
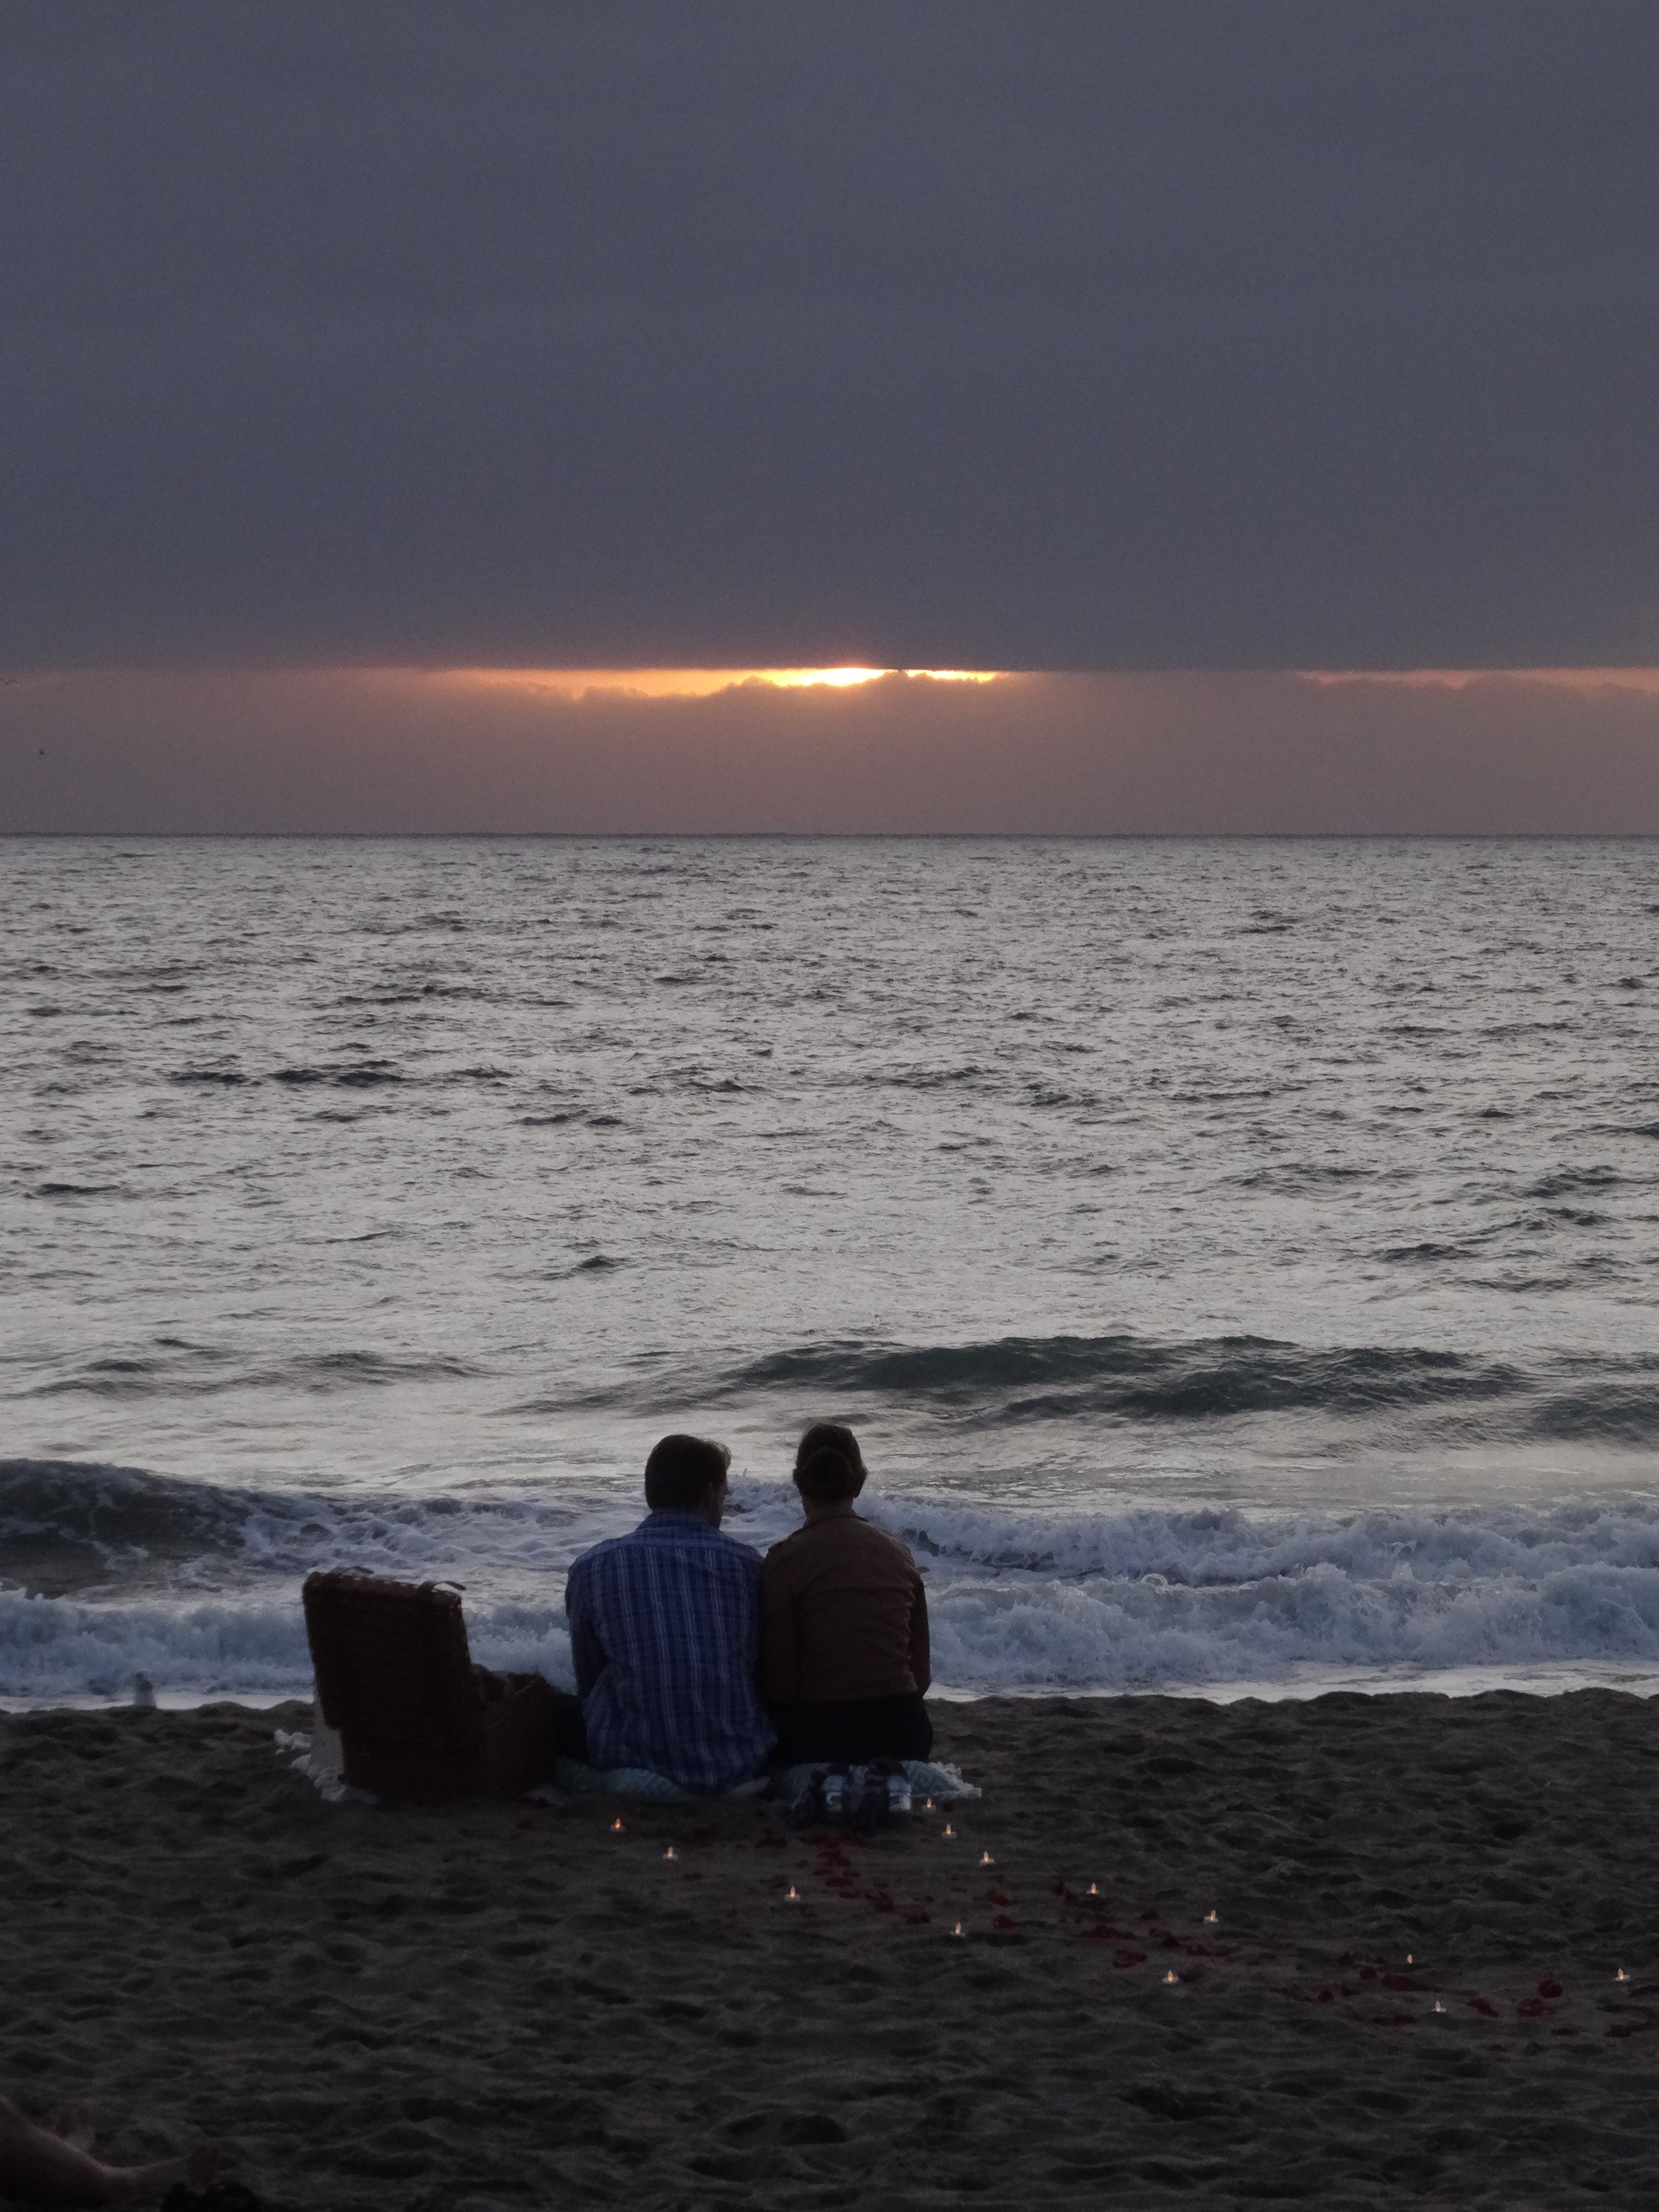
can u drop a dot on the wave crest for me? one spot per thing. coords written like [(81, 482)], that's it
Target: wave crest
[(1127, 1378)]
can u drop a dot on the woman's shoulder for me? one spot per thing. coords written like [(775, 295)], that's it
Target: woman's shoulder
[(787, 1547), (885, 1539), (835, 1534)]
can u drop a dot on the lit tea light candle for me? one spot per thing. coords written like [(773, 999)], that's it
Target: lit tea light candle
[(957, 1930), (1439, 2006), (616, 1827), (985, 1859), (1170, 1975), (1408, 1958), (670, 1853), (1210, 1919), (1093, 1892), (928, 1807), (949, 1830), (794, 1894), (1621, 1975)]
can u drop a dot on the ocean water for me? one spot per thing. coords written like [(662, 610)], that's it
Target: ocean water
[(1238, 1259)]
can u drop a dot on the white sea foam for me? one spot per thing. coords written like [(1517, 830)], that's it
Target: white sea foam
[(1152, 1634), (1148, 1600), (53, 1649)]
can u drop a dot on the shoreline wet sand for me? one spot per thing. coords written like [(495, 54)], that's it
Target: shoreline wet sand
[(1408, 1994)]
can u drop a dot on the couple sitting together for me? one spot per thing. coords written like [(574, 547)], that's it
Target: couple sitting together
[(702, 1661)]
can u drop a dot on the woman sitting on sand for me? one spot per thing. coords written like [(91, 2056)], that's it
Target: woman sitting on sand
[(844, 1649)]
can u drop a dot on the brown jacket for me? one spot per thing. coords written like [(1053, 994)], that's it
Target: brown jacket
[(845, 1615)]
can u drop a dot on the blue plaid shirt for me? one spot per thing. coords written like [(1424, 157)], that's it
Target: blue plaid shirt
[(665, 1628)]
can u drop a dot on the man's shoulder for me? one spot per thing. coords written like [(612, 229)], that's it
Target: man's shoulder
[(735, 1549), (607, 1549), (659, 1534)]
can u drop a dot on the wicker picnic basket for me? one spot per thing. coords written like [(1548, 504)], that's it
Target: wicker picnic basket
[(416, 1719)]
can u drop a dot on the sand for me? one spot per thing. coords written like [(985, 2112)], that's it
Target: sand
[(501, 2005)]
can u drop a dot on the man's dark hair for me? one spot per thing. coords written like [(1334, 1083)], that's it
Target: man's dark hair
[(829, 1464), (682, 1470)]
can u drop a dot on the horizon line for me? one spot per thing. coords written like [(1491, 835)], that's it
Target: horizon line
[(659, 682)]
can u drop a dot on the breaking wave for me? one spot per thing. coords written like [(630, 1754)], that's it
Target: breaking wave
[(69, 1525), (123, 1573), (1148, 1600)]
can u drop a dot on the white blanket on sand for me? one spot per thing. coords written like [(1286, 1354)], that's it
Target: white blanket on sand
[(317, 1756), (571, 1779)]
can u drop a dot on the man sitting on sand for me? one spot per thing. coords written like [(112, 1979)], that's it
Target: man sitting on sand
[(665, 1627), (844, 1647)]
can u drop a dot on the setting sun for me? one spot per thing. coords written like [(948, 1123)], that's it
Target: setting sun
[(701, 683)]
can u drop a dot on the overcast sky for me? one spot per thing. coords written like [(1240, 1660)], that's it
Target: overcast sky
[(1188, 334)]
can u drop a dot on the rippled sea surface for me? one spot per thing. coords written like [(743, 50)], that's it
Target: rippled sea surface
[(1239, 1259)]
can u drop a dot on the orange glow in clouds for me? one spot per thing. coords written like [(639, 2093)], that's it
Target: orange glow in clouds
[(1458, 679), (695, 682), (704, 683)]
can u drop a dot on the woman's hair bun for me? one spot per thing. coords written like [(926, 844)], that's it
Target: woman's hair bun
[(826, 1475)]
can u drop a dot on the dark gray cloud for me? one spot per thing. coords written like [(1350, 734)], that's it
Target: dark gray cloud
[(1299, 332)]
